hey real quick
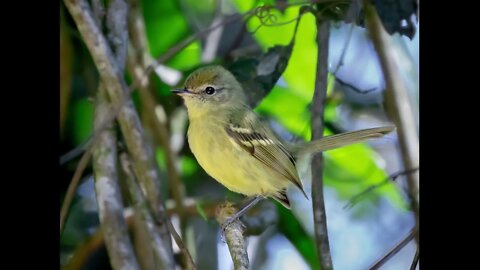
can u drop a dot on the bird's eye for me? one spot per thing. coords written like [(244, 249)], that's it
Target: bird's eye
[(210, 90)]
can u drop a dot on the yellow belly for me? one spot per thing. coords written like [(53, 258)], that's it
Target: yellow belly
[(229, 164)]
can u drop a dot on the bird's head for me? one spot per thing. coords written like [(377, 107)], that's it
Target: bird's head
[(211, 89)]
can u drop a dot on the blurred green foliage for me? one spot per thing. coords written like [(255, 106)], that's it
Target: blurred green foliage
[(348, 170)]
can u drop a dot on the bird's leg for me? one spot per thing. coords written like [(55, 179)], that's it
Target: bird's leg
[(242, 211)]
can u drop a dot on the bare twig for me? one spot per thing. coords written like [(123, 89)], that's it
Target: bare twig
[(394, 250), (355, 89), (319, 215), (415, 259), (344, 50), (233, 236), (397, 99), (141, 205), (112, 78), (355, 199), (108, 194), (67, 201)]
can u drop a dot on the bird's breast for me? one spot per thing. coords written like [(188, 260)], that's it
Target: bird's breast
[(227, 162)]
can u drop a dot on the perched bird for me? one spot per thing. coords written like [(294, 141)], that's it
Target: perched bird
[(233, 146)]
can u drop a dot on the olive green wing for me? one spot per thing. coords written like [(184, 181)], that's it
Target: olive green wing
[(249, 133)]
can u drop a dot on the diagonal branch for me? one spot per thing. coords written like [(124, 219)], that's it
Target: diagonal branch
[(319, 215), (138, 62), (397, 99), (111, 76), (394, 250)]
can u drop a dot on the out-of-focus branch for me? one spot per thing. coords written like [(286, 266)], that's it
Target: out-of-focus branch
[(138, 62), (112, 77), (107, 190), (67, 201), (141, 206), (394, 250), (233, 236), (265, 215), (318, 104), (355, 199), (397, 100)]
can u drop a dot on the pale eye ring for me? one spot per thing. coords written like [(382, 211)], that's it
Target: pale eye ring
[(210, 90)]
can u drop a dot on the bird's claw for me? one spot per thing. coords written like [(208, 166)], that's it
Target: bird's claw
[(229, 221)]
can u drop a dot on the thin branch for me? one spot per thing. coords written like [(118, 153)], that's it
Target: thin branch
[(107, 191), (355, 199), (355, 89), (319, 215), (394, 250), (75, 152), (144, 162), (72, 187), (141, 206), (261, 218), (344, 50), (397, 99), (234, 236), (415, 259)]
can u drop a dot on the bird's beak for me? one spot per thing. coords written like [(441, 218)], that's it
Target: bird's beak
[(181, 92)]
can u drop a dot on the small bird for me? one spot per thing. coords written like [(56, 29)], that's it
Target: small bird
[(233, 146)]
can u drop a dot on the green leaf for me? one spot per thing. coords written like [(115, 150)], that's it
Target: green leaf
[(165, 25), (82, 120)]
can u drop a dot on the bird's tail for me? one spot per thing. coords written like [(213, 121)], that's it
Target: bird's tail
[(339, 140)]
